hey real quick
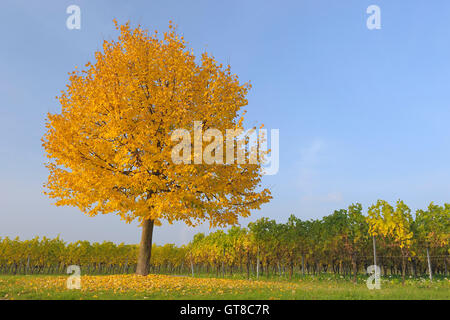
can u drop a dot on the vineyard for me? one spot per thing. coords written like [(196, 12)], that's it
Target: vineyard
[(343, 243)]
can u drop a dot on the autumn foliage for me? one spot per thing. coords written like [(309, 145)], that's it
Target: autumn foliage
[(110, 147), (339, 244)]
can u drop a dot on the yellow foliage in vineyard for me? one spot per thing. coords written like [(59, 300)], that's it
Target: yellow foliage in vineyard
[(156, 283), (339, 243)]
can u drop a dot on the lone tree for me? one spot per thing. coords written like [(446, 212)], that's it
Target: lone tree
[(110, 147)]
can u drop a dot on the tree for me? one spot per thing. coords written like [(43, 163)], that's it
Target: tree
[(294, 241), (335, 230), (357, 237), (402, 233), (262, 231), (432, 228), (394, 224), (315, 231), (110, 148)]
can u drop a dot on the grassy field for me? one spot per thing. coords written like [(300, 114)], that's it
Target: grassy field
[(181, 287)]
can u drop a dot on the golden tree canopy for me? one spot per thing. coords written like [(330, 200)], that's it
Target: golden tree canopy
[(110, 147)]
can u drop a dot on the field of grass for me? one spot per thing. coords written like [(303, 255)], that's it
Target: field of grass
[(181, 287)]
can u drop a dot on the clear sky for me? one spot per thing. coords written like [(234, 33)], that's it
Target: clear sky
[(363, 114)]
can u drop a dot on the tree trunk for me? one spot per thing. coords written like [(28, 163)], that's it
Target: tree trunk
[(430, 272), (374, 251), (192, 267), (374, 254), (28, 265), (257, 264), (145, 248)]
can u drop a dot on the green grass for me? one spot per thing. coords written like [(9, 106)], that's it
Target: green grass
[(315, 288)]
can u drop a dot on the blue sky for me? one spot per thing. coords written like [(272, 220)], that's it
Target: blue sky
[(363, 114)]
